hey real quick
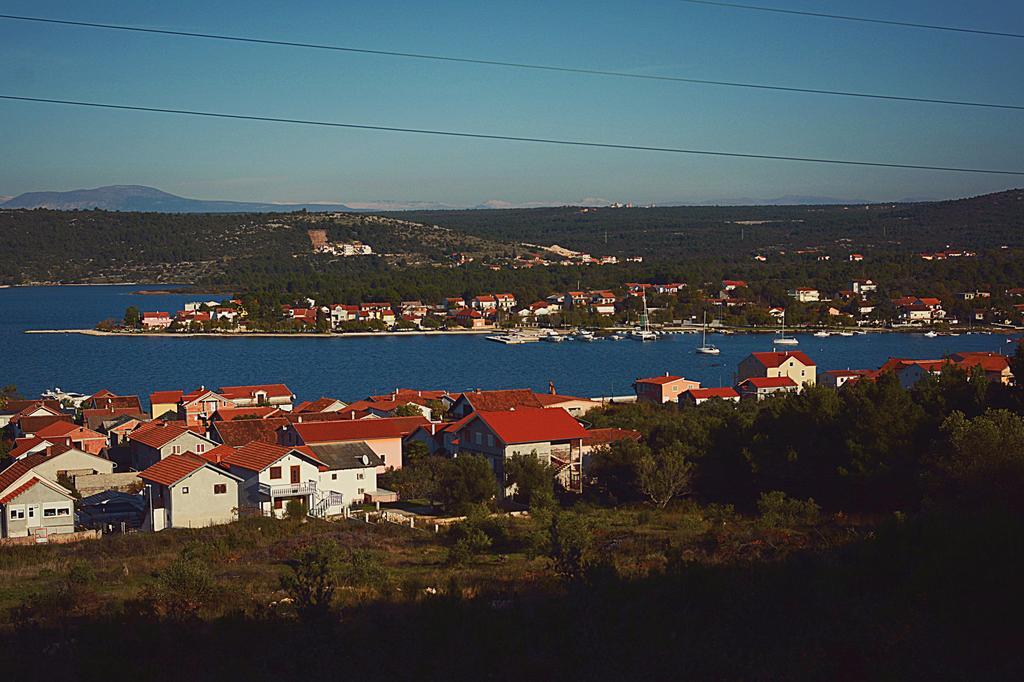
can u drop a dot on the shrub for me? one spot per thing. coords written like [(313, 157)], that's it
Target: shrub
[(295, 509), (778, 511), (183, 588), (571, 540), (314, 579)]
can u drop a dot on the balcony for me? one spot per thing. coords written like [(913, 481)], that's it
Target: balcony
[(288, 489)]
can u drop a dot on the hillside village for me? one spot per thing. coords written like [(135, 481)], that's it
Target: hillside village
[(211, 456)]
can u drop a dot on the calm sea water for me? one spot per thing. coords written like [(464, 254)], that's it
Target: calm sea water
[(351, 368)]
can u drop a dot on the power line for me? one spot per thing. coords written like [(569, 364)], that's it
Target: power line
[(866, 20), (516, 65), (508, 138)]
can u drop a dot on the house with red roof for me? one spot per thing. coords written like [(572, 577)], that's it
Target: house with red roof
[(31, 504), (73, 435), (274, 395), (383, 436), (156, 321), (699, 396), (663, 389), (759, 388), (156, 440), (319, 405), (237, 432), (14, 410), (552, 435), (198, 407), (470, 318), (837, 378), (995, 367), (164, 404), (794, 364), (273, 475), (232, 413), (186, 491)]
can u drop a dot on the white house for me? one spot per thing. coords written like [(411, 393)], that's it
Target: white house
[(186, 491), (32, 505), (274, 475)]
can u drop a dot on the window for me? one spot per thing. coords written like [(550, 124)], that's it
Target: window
[(175, 449), (17, 513), (359, 477), (47, 513), (63, 511), (184, 490), (478, 437), (200, 447), (220, 488), (279, 503), (361, 491), (334, 477), (490, 441), (275, 473), (31, 512)]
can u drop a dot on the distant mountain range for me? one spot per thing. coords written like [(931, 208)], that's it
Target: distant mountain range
[(149, 199)]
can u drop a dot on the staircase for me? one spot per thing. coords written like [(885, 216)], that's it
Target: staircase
[(327, 504)]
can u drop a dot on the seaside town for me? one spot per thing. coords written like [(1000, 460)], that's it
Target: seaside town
[(730, 304), (77, 465)]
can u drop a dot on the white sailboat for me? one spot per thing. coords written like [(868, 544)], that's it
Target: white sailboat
[(782, 339), (643, 332), (704, 348)]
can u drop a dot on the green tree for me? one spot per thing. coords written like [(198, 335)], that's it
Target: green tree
[(467, 480), (132, 317), (665, 474), (980, 462), (314, 579), (408, 410), (570, 544), (613, 470), (533, 479), (183, 588)]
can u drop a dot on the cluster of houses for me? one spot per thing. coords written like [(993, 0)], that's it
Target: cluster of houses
[(207, 456), (761, 375)]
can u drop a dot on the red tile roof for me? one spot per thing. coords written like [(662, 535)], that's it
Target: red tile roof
[(23, 445), (19, 490), (259, 412), (257, 456), (19, 468), (357, 429), (775, 359), (705, 393), (770, 382), (528, 425), (242, 392), (157, 434), (172, 469), (34, 424), (667, 379), (238, 432), (318, 405), (165, 397), (497, 401), (605, 436), (66, 430), (215, 455)]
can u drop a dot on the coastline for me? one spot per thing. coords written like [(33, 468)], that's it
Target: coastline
[(454, 332)]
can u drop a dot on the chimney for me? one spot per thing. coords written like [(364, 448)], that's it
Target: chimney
[(551, 388)]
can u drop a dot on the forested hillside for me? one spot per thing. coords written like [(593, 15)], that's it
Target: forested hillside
[(684, 231)]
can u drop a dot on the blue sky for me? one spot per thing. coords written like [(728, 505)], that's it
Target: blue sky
[(47, 147)]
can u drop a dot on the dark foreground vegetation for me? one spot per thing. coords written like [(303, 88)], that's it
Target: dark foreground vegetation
[(871, 533)]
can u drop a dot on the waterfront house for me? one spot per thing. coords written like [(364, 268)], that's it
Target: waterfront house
[(95, 418), (793, 364), (759, 388), (14, 410), (469, 318), (699, 396), (493, 401), (273, 475), (483, 302), (663, 389), (273, 395), (552, 435), (32, 505), (837, 378), (383, 436), (156, 440), (198, 407), (185, 491), (156, 321)]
